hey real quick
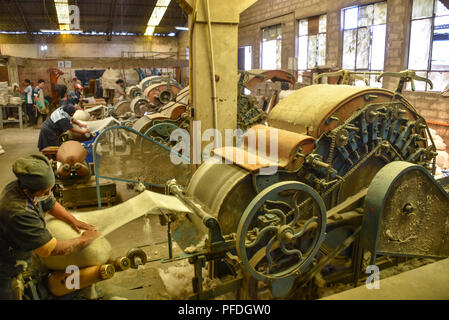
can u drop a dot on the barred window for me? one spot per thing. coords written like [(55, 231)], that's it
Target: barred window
[(271, 47), (364, 38), (429, 43), (311, 43)]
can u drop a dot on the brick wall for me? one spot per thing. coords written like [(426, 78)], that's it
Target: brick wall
[(265, 13)]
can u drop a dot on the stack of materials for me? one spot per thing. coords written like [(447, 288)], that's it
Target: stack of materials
[(4, 97), (15, 100)]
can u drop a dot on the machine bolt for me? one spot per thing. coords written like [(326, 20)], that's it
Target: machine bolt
[(408, 208)]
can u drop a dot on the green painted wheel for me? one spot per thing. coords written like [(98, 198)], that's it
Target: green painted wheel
[(280, 233)]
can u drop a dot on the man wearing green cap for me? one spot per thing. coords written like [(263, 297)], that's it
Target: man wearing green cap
[(23, 230)]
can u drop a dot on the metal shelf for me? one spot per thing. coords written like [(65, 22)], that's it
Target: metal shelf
[(20, 120)]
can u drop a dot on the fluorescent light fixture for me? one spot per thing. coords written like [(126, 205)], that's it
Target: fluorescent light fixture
[(182, 28), (63, 31), (156, 16), (13, 32), (171, 34), (63, 13)]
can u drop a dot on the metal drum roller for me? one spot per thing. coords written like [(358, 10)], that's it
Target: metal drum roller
[(161, 93), (133, 91), (122, 107), (140, 105)]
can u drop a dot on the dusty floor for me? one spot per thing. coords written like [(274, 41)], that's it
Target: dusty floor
[(146, 282)]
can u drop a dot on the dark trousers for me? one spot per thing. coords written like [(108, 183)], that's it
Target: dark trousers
[(44, 117), (29, 110)]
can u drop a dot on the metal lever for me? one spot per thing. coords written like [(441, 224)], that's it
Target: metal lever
[(405, 76), (345, 76)]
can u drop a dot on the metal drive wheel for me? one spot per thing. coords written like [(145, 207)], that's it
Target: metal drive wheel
[(280, 233)]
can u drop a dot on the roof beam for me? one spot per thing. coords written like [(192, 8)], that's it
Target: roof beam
[(24, 20), (111, 19)]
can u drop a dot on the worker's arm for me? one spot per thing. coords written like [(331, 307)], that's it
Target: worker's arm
[(80, 131), (21, 90), (75, 121), (59, 212), (61, 247), (27, 231)]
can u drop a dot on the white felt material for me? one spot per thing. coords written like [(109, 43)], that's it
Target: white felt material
[(106, 221)]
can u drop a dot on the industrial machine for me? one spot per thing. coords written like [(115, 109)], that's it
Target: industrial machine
[(354, 174), (75, 186), (352, 179)]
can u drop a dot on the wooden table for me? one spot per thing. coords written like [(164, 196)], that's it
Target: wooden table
[(20, 121)]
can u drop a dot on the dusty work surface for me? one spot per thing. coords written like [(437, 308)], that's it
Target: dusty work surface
[(430, 282)]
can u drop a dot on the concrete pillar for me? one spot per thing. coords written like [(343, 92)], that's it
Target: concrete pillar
[(13, 71), (224, 18)]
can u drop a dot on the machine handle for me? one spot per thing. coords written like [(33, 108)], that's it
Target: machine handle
[(405, 76), (345, 76)]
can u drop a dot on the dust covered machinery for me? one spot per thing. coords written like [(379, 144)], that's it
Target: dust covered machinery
[(353, 175)]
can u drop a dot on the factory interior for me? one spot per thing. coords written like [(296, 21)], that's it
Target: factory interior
[(224, 150)]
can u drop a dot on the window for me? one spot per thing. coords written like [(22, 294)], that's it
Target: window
[(364, 35), (244, 58), (429, 43), (271, 47), (311, 43)]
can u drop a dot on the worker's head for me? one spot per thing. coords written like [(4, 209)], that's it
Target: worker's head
[(41, 83), (35, 176), (120, 82), (26, 82), (78, 87), (72, 98), (70, 109)]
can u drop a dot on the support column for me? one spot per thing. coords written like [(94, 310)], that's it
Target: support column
[(221, 57), (13, 71)]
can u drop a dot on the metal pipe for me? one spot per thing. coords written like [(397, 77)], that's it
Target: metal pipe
[(206, 218), (212, 62)]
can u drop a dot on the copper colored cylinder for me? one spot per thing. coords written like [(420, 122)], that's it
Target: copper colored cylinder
[(87, 276), (64, 171), (81, 169), (71, 152)]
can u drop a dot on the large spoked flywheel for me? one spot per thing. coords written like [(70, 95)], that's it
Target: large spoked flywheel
[(280, 233)]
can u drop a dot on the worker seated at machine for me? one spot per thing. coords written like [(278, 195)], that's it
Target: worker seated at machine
[(23, 229), (60, 121), (70, 98), (119, 91), (79, 92)]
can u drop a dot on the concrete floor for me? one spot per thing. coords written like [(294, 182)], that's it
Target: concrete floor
[(17, 143)]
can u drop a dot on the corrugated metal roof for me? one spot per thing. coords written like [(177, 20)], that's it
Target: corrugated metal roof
[(95, 15)]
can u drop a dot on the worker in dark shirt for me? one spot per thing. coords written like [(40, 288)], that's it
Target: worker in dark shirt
[(23, 230), (59, 122)]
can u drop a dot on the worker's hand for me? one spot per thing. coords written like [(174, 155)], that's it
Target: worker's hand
[(80, 225), (90, 235), (83, 125)]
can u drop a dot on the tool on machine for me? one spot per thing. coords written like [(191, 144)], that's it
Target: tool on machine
[(346, 76)]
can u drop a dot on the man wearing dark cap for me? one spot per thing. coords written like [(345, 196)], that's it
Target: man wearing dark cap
[(59, 122), (23, 230)]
